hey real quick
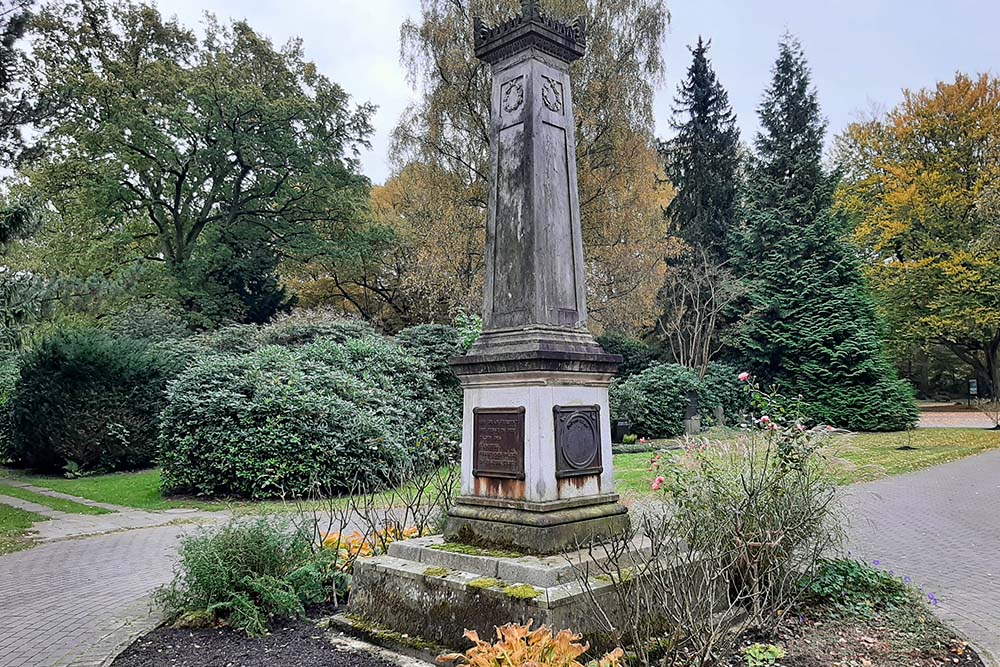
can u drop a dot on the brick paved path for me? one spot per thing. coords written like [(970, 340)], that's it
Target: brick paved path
[(76, 602), (941, 527)]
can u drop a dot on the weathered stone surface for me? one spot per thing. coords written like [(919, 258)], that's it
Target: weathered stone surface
[(437, 607), (539, 393), (535, 532), (534, 255)]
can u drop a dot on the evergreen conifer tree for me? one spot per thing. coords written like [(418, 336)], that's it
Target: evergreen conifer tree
[(811, 327), (702, 160)]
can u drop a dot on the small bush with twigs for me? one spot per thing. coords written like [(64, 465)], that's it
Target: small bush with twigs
[(723, 548)]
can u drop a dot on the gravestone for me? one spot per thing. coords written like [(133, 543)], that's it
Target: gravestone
[(536, 365)]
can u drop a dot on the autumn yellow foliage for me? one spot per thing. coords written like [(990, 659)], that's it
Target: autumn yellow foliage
[(922, 184), (520, 646), (352, 546)]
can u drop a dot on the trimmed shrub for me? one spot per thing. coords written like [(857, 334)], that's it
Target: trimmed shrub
[(295, 330), (637, 355), (400, 390), (435, 344), (655, 400), (247, 574), (278, 421), (304, 327), (88, 398), (721, 387), (234, 339), (266, 424)]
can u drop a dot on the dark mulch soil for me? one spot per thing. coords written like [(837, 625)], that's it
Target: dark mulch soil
[(898, 639), (816, 639), (291, 644)]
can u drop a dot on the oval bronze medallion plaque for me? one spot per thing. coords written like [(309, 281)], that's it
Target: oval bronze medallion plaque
[(578, 440)]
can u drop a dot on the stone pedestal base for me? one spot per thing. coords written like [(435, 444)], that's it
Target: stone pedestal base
[(536, 528), (424, 592)]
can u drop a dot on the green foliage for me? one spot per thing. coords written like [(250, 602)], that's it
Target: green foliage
[(277, 421), (90, 398), (702, 160), (304, 327), (721, 387), (293, 330), (630, 439), (239, 155), (855, 587), (435, 344), (655, 400), (9, 371), (247, 574), (760, 655), (811, 326), (470, 327), (149, 322), (636, 354)]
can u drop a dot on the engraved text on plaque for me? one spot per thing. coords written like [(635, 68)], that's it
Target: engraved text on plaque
[(498, 443)]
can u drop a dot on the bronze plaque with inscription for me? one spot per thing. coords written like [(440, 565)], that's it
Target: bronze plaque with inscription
[(498, 443)]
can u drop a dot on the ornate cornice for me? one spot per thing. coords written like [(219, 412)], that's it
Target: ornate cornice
[(532, 28)]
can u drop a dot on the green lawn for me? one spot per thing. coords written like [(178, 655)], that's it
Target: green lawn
[(14, 523), (862, 457), (869, 456), (858, 458), (58, 504), (128, 489)]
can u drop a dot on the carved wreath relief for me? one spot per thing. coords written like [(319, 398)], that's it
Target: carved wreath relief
[(552, 94), (512, 94)]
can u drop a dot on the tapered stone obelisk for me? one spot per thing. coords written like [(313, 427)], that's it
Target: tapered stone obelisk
[(536, 453)]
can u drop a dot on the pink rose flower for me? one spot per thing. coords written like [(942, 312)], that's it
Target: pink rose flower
[(658, 483), (744, 376), (765, 420)]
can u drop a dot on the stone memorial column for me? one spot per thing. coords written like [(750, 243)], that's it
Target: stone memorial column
[(536, 452)]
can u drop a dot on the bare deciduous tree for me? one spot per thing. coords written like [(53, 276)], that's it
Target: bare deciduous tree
[(695, 297)]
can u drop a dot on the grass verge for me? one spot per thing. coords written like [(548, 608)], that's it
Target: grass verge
[(58, 504), (869, 456), (140, 490), (859, 457), (14, 523)]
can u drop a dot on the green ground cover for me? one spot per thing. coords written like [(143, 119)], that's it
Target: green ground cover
[(58, 504), (14, 523)]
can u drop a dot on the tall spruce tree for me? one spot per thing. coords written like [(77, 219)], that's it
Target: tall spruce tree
[(702, 160), (811, 327)]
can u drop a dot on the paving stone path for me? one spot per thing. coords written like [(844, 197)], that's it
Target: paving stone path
[(941, 528), (80, 601), (82, 595)]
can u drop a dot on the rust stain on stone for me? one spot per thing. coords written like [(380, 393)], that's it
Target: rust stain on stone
[(578, 483), (497, 487)]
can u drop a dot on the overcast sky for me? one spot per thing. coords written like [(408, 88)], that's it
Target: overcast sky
[(862, 52)]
